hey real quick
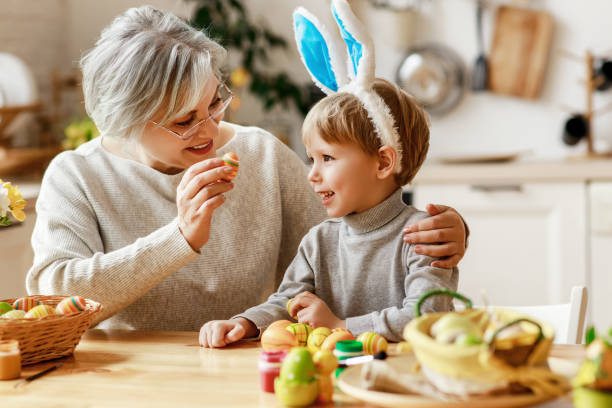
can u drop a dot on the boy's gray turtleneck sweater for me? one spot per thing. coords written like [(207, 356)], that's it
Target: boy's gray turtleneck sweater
[(360, 266)]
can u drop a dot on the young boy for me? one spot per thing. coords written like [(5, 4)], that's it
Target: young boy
[(354, 270)]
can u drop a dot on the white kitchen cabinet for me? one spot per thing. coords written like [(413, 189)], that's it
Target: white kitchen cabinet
[(600, 200), (528, 241), (16, 256)]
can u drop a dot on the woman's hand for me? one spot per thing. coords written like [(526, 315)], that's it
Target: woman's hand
[(310, 309), (199, 194), (445, 232)]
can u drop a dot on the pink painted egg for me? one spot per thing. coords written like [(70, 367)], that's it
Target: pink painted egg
[(277, 338), (334, 337), (40, 311), (71, 305), (25, 303), (372, 342)]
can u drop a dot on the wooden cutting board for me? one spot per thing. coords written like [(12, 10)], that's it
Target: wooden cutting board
[(519, 52)]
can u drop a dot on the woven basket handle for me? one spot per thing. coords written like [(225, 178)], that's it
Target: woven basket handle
[(515, 322), (445, 292)]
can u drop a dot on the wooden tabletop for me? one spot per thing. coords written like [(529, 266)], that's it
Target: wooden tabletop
[(119, 368)]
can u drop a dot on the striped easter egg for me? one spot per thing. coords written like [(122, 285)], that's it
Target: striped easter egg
[(71, 305), (372, 342), (317, 337), (277, 338), (231, 160), (14, 314), (40, 311), (301, 332), (25, 304), (336, 336)]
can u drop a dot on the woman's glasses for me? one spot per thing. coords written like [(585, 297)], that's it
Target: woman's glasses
[(223, 98)]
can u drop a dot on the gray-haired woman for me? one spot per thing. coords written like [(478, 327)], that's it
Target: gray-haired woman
[(127, 219)]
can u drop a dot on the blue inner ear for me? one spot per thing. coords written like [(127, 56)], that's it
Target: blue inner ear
[(314, 50), (354, 46)]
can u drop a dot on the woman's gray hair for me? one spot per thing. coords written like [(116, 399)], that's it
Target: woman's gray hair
[(146, 61)]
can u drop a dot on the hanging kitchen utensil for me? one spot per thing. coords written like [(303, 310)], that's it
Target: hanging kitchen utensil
[(519, 52), (480, 73), (434, 74)]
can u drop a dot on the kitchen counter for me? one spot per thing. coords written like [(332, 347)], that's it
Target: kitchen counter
[(516, 171), (119, 368)]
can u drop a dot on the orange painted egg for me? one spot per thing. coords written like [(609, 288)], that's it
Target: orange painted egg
[(14, 314), (25, 304), (317, 337), (40, 311), (280, 323), (372, 342), (334, 337), (232, 161), (301, 332), (277, 338), (71, 305)]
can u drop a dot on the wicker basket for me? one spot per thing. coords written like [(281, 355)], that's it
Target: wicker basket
[(48, 337)]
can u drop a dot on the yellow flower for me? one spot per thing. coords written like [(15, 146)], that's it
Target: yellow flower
[(17, 203), (239, 77)]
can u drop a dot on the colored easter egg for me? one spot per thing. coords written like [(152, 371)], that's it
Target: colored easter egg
[(277, 338), (289, 303), (280, 323), (301, 332), (14, 314), (317, 337), (71, 305), (334, 337), (372, 342), (231, 160), (25, 304), (5, 307), (40, 311)]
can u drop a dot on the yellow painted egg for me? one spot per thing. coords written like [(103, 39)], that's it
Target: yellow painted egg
[(301, 332), (336, 336), (277, 338), (40, 311), (317, 337), (289, 302), (25, 304), (280, 323), (14, 314), (372, 342), (71, 305)]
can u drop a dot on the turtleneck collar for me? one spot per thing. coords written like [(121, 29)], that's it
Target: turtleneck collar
[(377, 216)]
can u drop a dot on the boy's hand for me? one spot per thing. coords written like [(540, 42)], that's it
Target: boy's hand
[(312, 310), (220, 333), (444, 233)]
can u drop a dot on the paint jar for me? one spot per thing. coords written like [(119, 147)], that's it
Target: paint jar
[(269, 368), (347, 349), (10, 360)]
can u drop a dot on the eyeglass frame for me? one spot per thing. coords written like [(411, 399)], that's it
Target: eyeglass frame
[(202, 122)]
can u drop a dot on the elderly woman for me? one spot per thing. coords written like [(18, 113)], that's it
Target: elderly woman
[(127, 219)]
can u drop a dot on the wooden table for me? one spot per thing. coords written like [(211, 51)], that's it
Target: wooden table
[(119, 368)]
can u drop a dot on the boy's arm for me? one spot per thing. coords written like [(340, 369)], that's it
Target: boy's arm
[(420, 278), (298, 278)]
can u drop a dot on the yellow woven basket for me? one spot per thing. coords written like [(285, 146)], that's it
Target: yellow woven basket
[(48, 337), (454, 367)]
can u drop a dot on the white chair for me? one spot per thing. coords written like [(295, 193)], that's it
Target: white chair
[(568, 319)]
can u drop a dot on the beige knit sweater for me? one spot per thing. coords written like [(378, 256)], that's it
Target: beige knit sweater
[(107, 230)]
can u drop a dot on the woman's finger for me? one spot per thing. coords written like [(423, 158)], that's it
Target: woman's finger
[(438, 251), (446, 219), (448, 262), (444, 235), (198, 168), (209, 192), (205, 179), (210, 205)]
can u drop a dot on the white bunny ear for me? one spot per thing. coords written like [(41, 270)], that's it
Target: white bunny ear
[(358, 42), (319, 51)]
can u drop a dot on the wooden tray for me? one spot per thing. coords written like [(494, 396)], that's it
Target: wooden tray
[(350, 383)]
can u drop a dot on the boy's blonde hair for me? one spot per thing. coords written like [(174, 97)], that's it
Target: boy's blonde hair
[(341, 118)]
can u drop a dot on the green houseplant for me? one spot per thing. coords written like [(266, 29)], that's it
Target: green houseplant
[(228, 22)]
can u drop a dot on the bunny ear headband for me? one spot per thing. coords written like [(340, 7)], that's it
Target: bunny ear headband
[(324, 57)]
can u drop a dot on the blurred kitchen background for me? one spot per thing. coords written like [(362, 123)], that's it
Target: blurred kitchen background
[(520, 125)]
